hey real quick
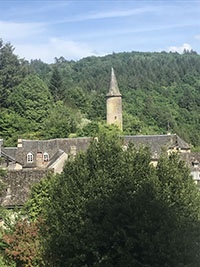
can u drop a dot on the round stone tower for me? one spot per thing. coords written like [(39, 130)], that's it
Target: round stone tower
[(114, 103)]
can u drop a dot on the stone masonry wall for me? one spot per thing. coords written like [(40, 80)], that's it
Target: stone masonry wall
[(18, 184)]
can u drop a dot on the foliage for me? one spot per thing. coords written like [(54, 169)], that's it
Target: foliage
[(55, 86), (61, 121), (111, 207), (31, 99), (12, 125), (160, 92), (78, 98), (22, 245), (41, 69), (12, 71), (19, 239), (131, 124), (4, 264), (94, 129), (39, 195)]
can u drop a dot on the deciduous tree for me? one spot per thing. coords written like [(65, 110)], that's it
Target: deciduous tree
[(112, 207)]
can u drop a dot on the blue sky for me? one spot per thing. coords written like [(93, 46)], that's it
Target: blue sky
[(77, 29)]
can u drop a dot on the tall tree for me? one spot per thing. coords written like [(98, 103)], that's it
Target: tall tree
[(12, 71), (60, 122), (12, 125), (31, 100), (111, 207), (55, 85)]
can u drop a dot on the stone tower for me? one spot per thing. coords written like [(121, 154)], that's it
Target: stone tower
[(114, 103)]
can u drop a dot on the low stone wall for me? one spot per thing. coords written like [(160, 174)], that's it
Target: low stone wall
[(18, 184)]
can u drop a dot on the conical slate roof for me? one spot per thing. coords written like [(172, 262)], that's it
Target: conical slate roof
[(114, 89)]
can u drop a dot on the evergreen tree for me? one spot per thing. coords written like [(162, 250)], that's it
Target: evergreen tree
[(55, 86), (12, 71)]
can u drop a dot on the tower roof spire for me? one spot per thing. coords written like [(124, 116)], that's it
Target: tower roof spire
[(114, 89)]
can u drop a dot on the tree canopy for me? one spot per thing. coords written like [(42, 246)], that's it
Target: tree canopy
[(112, 207)]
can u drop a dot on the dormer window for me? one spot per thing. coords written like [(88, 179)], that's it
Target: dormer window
[(45, 157), (29, 157), (195, 164)]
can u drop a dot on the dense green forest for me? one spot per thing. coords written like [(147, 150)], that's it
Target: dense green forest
[(161, 92)]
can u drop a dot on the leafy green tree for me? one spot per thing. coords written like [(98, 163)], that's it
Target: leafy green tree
[(112, 207), (41, 69), (61, 121), (23, 244), (39, 195), (31, 100), (93, 129), (78, 98), (97, 106), (12, 125), (90, 129), (131, 124)]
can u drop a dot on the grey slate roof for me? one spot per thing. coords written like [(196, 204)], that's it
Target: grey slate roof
[(19, 182), (9, 152), (54, 146), (57, 155), (51, 146), (157, 142)]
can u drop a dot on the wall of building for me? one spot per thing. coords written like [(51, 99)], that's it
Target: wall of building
[(18, 184), (58, 165), (49, 146)]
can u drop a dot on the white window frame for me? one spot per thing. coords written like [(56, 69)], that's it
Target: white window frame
[(29, 157), (45, 157)]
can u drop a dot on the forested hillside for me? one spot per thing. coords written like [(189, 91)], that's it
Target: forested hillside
[(161, 92)]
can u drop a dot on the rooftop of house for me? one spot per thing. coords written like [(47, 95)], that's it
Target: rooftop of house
[(9, 152), (19, 182), (157, 143)]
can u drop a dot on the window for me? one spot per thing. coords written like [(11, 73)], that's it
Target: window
[(195, 164), (46, 156), (29, 157)]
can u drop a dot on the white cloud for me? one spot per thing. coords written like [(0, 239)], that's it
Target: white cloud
[(119, 13), (55, 47), (10, 31), (108, 14), (180, 49), (197, 37)]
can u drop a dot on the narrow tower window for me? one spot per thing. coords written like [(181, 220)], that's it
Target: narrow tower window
[(29, 157), (46, 157)]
